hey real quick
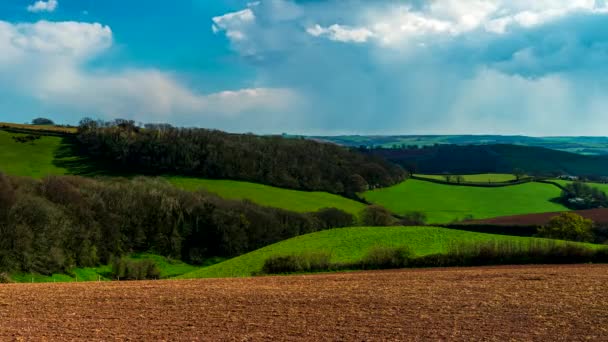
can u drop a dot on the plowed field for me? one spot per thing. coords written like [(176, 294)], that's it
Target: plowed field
[(543, 303)]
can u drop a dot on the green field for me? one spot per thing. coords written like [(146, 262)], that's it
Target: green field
[(33, 159), (349, 245), (479, 178), (446, 203), (299, 201)]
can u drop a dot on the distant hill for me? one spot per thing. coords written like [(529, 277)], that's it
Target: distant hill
[(580, 145), (498, 158)]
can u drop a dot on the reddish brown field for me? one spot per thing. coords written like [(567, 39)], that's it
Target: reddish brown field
[(596, 215), (542, 303)]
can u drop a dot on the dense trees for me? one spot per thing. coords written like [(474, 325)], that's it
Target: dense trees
[(579, 195), (57, 223), (273, 160), (42, 121)]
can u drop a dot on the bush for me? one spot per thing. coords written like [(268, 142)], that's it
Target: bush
[(334, 218), (387, 257), (568, 226), (308, 262), (5, 278), (128, 269), (414, 218), (377, 216)]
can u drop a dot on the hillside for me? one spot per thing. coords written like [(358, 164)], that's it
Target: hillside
[(446, 203), (349, 245), (475, 159), (33, 159), (298, 201), (580, 145)]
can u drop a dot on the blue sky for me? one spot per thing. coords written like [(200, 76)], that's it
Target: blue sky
[(311, 66)]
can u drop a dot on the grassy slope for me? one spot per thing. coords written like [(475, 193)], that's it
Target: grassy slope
[(299, 201), (445, 203), (347, 245), (33, 159), (485, 177), (168, 269)]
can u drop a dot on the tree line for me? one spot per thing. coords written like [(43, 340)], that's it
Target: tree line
[(293, 163), (60, 222)]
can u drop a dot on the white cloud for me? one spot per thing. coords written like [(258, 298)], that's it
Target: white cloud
[(234, 23), (43, 6), (341, 33), (48, 62)]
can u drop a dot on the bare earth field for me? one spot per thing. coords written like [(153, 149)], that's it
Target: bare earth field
[(542, 303)]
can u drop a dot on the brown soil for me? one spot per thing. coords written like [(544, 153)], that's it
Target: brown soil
[(599, 216), (542, 303)]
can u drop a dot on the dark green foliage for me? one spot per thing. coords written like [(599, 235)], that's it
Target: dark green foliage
[(52, 225), (579, 195), (377, 216), (568, 226), (272, 160), (309, 262), (387, 257), (498, 158), (26, 138), (128, 269), (333, 218), (42, 121), (413, 218), (464, 254)]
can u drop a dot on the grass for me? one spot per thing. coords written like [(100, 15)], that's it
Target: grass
[(40, 128), (33, 159), (299, 201), (350, 245), (479, 178), (169, 268), (446, 203)]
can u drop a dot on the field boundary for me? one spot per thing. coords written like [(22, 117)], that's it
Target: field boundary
[(477, 184)]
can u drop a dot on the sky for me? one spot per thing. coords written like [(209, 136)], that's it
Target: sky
[(311, 66)]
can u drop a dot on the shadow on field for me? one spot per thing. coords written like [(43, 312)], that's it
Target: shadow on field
[(71, 157)]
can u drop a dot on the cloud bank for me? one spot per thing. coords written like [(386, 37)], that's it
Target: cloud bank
[(438, 66)]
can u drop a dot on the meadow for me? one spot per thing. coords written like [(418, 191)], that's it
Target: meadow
[(350, 245), (447, 203), (600, 186), (478, 178), (31, 159), (294, 200)]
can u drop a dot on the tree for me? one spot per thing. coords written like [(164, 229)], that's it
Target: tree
[(413, 218), (42, 121), (568, 226), (377, 216), (519, 174)]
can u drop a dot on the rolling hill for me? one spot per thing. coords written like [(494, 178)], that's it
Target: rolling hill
[(446, 203), (475, 159), (349, 245), (299, 201)]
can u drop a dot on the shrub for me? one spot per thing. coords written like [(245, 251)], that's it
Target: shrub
[(5, 278), (387, 257), (377, 216), (334, 218), (308, 262), (127, 269), (414, 218), (568, 226)]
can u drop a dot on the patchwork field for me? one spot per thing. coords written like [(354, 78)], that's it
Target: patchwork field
[(603, 187), (479, 178), (446, 203), (349, 245), (294, 200), (495, 303)]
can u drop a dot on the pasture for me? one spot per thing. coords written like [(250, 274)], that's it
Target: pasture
[(446, 203), (33, 159), (350, 245), (299, 201)]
